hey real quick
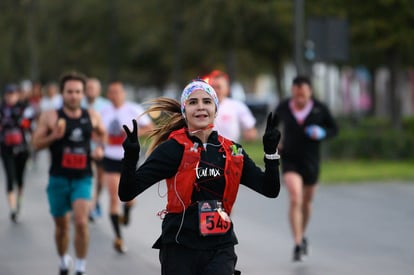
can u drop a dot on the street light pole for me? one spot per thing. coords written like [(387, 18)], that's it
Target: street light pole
[(113, 40), (298, 36)]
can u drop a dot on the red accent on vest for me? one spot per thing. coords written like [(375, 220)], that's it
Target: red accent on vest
[(180, 187)]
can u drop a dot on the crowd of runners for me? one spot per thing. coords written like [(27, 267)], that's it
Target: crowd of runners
[(93, 136)]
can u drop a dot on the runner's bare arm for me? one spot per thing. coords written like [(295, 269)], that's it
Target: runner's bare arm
[(47, 130), (98, 126), (250, 134)]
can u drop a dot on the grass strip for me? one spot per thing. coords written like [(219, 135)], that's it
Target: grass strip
[(351, 171)]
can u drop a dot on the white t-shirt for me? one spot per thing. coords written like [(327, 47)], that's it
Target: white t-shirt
[(233, 117), (99, 103), (113, 119), (50, 103)]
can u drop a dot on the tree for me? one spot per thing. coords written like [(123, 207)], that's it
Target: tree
[(386, 38), (381, 34)]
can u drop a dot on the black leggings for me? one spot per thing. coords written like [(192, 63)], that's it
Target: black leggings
[(176, 259), (14, 166)]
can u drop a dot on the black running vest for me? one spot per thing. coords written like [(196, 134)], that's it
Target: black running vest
[(71, 154), (12, 134)]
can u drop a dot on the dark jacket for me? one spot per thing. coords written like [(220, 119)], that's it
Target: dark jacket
[(163, 163)]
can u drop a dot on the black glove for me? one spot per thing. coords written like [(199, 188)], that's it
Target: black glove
[(271, 136), (131, 144)]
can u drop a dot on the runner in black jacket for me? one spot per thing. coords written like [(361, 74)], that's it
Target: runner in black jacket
[(306, 122), (14, 127), (197, 235)]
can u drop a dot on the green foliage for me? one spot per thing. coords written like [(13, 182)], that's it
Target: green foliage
[(366, 139), (381, 28), (373, 139), (336, 169), (378, 29), (158, 42), (371, 145), (255, 151), (142, 42), (408, 125)]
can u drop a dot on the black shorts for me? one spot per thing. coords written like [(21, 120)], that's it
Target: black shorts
[(177, 259), (308, 170), (111, 165)]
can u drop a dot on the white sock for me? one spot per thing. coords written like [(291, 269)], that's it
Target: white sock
[(65, 261), (80, 265)]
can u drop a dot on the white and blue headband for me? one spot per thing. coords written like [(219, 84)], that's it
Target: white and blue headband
[(197, 84)]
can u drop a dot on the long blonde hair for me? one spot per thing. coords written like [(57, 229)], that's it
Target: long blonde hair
[(170, 119)]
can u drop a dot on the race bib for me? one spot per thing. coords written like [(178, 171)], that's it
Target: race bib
[(74, 160), (116, 140), (212, 217), (13, 137)]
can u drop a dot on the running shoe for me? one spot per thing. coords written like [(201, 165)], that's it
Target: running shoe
[(119, 246), (91, 217), (297, 253), (80, 273), (305, 247), (98, 210), (66, 265), (13, 216), (95, 213)]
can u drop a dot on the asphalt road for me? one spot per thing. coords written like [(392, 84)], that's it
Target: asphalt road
[(364, 229)]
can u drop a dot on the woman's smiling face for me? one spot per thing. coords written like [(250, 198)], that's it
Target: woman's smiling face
[(200, 110)]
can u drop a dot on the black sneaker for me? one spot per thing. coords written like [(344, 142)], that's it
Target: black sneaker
[(91, 217), (305, 247), (13, 216), (63, 271), (297, 253), (80, 273)]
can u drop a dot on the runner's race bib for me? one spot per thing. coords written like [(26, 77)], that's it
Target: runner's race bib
[(212, 217), (116, 139), (13, 137), (72, 160)]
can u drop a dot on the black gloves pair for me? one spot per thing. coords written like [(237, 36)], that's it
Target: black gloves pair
[(131, 144), (272, 135)]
